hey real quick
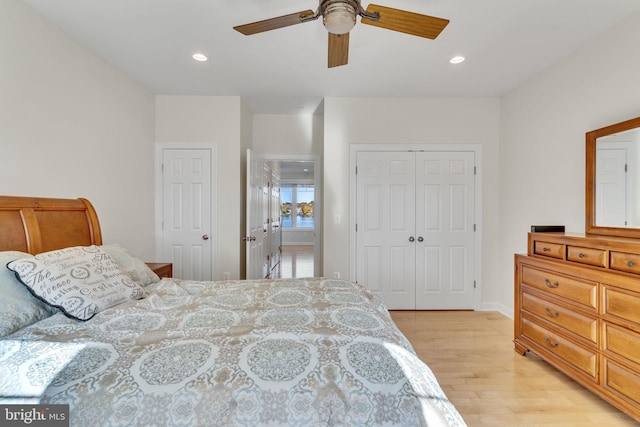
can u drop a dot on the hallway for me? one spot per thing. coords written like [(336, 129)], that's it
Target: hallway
[(296, 261)]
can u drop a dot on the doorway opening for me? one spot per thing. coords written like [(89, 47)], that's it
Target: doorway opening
[(299, 218)]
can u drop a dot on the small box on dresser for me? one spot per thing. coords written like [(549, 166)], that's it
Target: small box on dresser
[(577, 306)]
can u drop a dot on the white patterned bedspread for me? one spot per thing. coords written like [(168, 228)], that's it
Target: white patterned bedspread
[(269, 352)]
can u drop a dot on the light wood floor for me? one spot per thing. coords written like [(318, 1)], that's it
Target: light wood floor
[(472, 355), (296, 261)]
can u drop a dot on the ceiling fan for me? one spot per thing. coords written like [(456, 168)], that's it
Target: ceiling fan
[(339, 17)]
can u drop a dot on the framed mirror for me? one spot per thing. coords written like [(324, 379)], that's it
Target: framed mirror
[(613, 180)]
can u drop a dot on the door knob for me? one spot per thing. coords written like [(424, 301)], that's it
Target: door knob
[(420, 239), (205, 237), (411, 239)]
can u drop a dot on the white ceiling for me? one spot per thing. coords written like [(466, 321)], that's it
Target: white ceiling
[(285, 71)]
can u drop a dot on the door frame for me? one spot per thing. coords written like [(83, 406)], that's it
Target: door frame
[(317, 209), (475, 148), (159, 147)]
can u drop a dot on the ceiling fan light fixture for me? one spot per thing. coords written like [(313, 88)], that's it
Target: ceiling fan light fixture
[(339, 17)]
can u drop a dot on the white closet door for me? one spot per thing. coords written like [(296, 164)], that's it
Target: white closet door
[(385, 261), (444, 230), (415, 228)]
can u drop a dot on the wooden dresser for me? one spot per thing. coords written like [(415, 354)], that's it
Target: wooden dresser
[(577, 306)]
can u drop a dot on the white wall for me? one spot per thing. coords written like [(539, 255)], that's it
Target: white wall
[(73, 126), (542, 148), (285, 134), (217, 120), (408, 121)]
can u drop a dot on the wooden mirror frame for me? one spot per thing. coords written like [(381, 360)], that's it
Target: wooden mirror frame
[(590, 223)]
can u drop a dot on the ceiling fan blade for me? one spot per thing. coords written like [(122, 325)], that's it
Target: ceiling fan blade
[(273, 23), (338, 49), (405, 22)]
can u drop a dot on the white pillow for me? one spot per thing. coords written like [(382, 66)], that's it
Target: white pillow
[(18, 307), (81, 280), (134, 267)]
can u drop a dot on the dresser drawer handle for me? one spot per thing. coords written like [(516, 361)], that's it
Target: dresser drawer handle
[(551, 285), (580, 255), (551, 344), (545, 249), (550, 313), (630, 264)]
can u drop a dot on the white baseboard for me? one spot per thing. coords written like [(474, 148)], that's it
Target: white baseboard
[(500, 308)]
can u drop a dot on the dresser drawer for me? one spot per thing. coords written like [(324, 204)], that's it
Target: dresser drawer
[(622, 342), (553, 250), (625, 262), (579, 324), (580, 358), (580, 291), (590, 256), (622, 380), (624, 305)]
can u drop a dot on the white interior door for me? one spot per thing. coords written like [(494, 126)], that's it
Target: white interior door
[(385, 242), (257, 217), (275, 213), (415, 228), (186, 224), (611, 187), (444, 230)]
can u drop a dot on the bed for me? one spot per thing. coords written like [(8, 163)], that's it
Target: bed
[(315, 351)]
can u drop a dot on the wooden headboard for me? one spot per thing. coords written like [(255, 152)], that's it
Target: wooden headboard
[(36, 224)]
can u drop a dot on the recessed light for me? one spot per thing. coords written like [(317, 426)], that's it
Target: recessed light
[(199, 57), (457, 59)]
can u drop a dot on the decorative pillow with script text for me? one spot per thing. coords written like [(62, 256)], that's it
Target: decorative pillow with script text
[(81, 281)]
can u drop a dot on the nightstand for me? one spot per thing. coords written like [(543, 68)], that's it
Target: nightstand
[(162, 269)]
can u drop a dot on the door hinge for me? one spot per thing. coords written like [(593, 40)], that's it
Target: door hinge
[(626, 168), (356, 170), (474, 228), (475, 170), (356, 228), (474, 284)]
